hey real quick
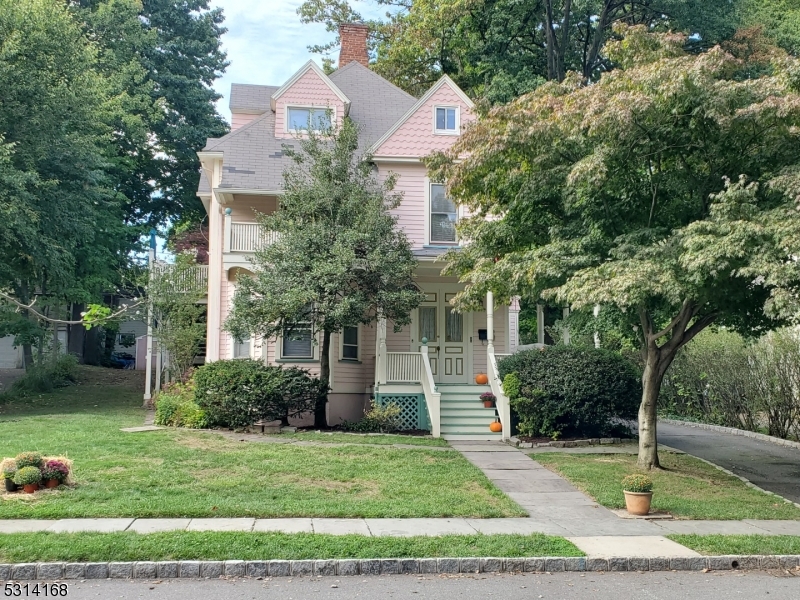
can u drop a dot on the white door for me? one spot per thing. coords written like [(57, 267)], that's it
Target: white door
[(448, 333)]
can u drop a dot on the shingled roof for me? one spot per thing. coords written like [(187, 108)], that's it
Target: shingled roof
[(253, 157)]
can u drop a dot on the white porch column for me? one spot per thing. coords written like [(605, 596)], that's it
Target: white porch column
[(596, 313), (539, 324), (148, 367), (380, 359), (565, 332), (490, 322), (226, 235)]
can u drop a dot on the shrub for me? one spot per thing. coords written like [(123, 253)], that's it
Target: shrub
[(176, 407), (378, 419), (28, 476), (8, 468), (29, 459), (237, 393), (567, 390), (43, 377), (55, 469), (637, 483)]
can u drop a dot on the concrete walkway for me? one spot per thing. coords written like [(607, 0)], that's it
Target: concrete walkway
[(769, 466)]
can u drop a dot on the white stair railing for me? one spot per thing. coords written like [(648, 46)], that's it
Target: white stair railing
[(403, 367), (502, 402), (432, 397)]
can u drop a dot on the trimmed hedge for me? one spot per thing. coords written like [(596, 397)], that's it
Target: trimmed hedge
[(239, 392), (568, 390)]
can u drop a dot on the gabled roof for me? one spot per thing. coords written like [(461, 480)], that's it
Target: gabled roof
[(376, 103), (252, 99), (444, 80), (310, 66)]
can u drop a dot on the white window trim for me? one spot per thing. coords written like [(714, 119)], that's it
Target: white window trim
[(455, 131), (428, 242), (358, 348), (315, 344), (287, 106)]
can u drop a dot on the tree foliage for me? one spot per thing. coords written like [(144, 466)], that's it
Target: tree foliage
[(667, 190), (339, 259), (499, 49)]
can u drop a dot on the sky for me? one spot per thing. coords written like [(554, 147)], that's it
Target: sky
[(266, 42)]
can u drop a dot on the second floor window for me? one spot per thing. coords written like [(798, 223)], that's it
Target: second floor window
[(350, 343), (299, 119), (446, 119), (444, 216)]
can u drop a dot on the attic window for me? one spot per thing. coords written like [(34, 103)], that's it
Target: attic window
[(446, 119), (299, 118)]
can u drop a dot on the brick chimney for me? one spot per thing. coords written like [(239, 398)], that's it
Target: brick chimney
[(353, 37)]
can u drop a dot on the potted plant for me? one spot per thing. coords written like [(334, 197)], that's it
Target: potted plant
[(488, 399), (54, 473), (9, 470), (29, 478), (638, 490), (29, 459)]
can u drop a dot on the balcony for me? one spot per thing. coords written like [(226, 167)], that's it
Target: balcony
[(191, 278), (246, 237)]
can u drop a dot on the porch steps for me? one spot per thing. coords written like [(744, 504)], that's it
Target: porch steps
[(463, 417)]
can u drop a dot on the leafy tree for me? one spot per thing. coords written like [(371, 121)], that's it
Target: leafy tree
[(667, 190), (339, 260), (161, 58), (63, 238), (498, 49), (175, 292)]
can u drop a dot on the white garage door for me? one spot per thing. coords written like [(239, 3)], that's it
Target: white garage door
[(9, 355)]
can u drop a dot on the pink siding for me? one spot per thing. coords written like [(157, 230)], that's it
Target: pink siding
[(415, 137), (411, 182), (309, 90), (241, 119), (244, 207), (479, 361), (227, 289), (400, 341)]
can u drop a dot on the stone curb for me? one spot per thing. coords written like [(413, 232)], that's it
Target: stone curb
[(734, 431), (568, 444), (382, 566)]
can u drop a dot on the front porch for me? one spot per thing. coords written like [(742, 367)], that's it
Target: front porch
[(429, 368)]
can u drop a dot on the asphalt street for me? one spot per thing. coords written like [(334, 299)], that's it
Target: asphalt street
[(557, 586), (769, 466)]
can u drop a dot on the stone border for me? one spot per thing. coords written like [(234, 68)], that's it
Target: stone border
[(571, 443), (380, 566), (733, 431)]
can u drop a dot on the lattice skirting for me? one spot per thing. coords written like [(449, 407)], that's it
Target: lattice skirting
[(413, 409)]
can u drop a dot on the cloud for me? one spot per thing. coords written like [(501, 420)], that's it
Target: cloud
[(266, 42)]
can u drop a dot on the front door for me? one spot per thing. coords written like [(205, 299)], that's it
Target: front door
[(448, 333)]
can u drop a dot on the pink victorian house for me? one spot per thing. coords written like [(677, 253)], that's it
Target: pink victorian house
[(433, 382)]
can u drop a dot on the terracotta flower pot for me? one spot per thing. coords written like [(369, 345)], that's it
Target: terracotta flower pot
[(488, 403), (638, 503), (51, 483), (30, 487), (10, 485)]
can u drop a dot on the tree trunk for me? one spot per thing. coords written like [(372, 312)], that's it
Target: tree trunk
[(320, 418), (651, 385)]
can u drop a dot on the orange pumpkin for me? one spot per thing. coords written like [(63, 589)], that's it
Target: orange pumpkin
[(481, 379), (496, 427)]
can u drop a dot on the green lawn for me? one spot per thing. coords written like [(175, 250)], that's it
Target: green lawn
[(740, 544), (349, 438), (687, 487), (194, 474), (189, 545)]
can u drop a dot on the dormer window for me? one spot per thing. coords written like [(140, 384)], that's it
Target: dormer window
[(446, 119), (299, 118)]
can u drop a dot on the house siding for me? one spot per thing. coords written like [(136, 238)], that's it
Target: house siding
[(416, 136), (241, 119), (308, 90), (411, 183)]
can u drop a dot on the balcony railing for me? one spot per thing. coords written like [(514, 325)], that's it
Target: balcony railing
[(191, 278), (249, 237)]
